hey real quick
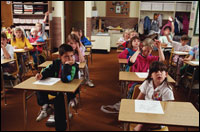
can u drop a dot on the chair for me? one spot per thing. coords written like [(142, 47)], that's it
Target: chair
[(134, 96), (13, 77), (172, 65)]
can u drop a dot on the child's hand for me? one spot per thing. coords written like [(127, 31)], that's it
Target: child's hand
[(46, 13), (70, 62), (15, 47), (25, 48), (82, 59), (38, 76), (157, 43)]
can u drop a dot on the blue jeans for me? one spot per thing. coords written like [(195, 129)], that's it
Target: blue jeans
[(34, 55), (130, 92)]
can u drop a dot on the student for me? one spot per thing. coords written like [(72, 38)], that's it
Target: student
[(19, 41), (182, 46), (34, 38), (7, 52), (79, 50), (155, 87), (41, 27), (84, 40), (142, 58), (126, 36), (125, 44), (66, 69), (132, 48)]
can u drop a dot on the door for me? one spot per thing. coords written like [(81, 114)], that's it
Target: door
[(6, 14)]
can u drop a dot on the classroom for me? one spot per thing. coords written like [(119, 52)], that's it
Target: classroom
[(99, 65)]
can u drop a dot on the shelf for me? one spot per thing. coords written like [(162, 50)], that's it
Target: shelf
[(30, 3), (28, 14)]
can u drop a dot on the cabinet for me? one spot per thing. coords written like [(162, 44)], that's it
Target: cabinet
[(101, 42), (114, 37)]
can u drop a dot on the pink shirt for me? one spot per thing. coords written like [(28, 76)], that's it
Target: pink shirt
[(142, 64), (82, 49)]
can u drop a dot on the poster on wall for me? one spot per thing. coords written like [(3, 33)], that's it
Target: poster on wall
[(196, 28)]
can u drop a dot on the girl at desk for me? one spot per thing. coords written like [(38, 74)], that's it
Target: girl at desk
[(34, 39), (126, 37), (155, 87), (19, 41), (79, 50), (142, 58)]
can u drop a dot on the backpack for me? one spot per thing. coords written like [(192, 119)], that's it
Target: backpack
[(155, 26)]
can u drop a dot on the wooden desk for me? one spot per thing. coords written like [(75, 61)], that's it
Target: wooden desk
[(119, 51), (125, 77), (196, 67), (175, 113), (122, 64), (20, 51), (46, 63), (4, 61), (58, 87), (180, 53)]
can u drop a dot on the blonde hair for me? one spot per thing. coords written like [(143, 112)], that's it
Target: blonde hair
[(38, 23), (14, 37), (33, 29), (148, 42)]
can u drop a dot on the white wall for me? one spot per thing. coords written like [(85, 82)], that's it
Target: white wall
[(87, 13), (59, 12), (134, 9)]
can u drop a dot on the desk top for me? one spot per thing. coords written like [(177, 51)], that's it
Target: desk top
[(191, 64), (89, 46), (131, 76), (119, 51), (36, 44), (175, 113), (4, 61), (123, 61), (87, 53), (20, 50), (57, 53), (180, 53), (58, 87), (46, 63)]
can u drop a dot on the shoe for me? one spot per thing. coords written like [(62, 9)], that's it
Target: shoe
[(51, 121), (43, 114), (73, 102), (89, 83)]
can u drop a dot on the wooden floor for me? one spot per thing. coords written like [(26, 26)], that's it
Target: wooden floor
[(105, 74)]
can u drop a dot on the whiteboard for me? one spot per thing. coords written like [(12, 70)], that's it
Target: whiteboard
[(196, 28)]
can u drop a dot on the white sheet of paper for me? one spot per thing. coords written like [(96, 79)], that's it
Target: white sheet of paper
[(148, 106), (180, 52), (142, 74), (15, 50), (48, 81), (195, 62)]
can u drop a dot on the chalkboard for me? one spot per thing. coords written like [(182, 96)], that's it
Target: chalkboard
[(196, 28)]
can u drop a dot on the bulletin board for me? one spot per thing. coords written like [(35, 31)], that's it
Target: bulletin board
[(196, 28), (117, 8)]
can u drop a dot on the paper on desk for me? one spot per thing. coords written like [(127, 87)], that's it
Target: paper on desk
[(147, 106), (48, 81), (180, 52), (15, 50), (195, 62), (142, 74)]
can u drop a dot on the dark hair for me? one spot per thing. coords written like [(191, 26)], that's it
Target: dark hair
[(3, 35), (64, 48), (130, 46), (168, 27), (155, 67), (185, 38)]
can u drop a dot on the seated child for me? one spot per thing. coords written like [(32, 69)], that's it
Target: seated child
[(142, 58), (125, 44), (182, 46), (66, 69), (35, 39), (155, 87), (126, 36)]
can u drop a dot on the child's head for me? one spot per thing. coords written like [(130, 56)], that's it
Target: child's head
[(126, 34), (167, 30), (147, 47), (34, 31), (18, 33), (184, 40), (134, 42), (157, 72), (3, 39), (73, 41), (76, 31), (133, 34), (66, 53), (38, 26)]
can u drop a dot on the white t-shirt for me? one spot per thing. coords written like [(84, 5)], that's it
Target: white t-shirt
[(163, 39), (121, 40), (10, 50), (148, 89), (178, 46)]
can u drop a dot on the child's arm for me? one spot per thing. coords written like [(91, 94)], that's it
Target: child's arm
[(134, 57), (81, 54), (160, 52), (5, 52), (188, 58), (124, 54), (28, 45), (141, 96), (45, 17)]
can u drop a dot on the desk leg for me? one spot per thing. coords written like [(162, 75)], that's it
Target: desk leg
[(25, 108), (2, 87), (190, 87), (37, 56), (126, 126), (67, 112), (91, 54), (23, 66)]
